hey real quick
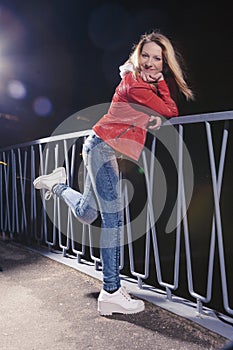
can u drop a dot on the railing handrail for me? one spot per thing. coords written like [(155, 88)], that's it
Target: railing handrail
[(198, 118), (187, 119)]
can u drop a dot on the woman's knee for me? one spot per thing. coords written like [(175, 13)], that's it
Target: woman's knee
[(86, 215)]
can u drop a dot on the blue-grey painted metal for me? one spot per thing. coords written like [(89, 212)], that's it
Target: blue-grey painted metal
[(21, 211)]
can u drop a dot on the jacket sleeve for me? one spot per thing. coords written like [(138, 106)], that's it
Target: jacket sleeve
[(162, 103)]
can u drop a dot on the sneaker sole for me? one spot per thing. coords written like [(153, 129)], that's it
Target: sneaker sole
[(107, 309)]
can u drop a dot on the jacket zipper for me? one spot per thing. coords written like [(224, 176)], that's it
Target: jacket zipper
[(125, 131)]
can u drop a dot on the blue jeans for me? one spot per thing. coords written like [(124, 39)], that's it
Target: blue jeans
[(102, 191)]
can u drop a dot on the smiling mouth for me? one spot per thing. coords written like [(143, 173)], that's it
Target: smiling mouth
[(150, 73), (148, 70)]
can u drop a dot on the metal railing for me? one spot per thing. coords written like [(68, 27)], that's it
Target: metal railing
[(194, 259)]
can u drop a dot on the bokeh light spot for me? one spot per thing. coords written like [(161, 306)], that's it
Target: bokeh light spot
[(16, 89), (141, 171), (42, 106)]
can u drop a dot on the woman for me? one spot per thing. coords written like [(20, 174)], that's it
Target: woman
[(123, 129)]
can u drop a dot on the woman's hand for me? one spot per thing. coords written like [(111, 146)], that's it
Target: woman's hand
[(154, 123), (149, 77)]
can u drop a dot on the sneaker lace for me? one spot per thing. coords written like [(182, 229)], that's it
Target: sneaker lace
[(48, 195), (125, 293)]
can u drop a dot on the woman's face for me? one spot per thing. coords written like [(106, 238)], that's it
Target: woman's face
[(151, 61)]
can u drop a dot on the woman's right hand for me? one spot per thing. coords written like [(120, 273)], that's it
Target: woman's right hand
[(148, 77)]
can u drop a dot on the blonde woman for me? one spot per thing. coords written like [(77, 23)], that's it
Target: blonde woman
[(137, 104)]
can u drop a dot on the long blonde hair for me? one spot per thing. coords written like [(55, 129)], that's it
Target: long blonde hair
[(170, 60)]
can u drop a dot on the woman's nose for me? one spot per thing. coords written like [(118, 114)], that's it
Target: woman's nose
[(149, 62)]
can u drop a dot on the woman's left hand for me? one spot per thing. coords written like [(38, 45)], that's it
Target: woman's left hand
[(154, 123)]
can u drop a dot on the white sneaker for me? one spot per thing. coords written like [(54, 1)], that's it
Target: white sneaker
[(58, 176), (118, 302)]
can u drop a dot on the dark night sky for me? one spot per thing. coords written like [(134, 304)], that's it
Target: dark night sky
[(67, 52)]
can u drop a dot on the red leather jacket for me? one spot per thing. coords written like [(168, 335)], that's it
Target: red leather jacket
[(124, 127)]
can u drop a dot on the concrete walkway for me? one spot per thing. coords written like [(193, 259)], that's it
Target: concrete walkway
[(45, 305)]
